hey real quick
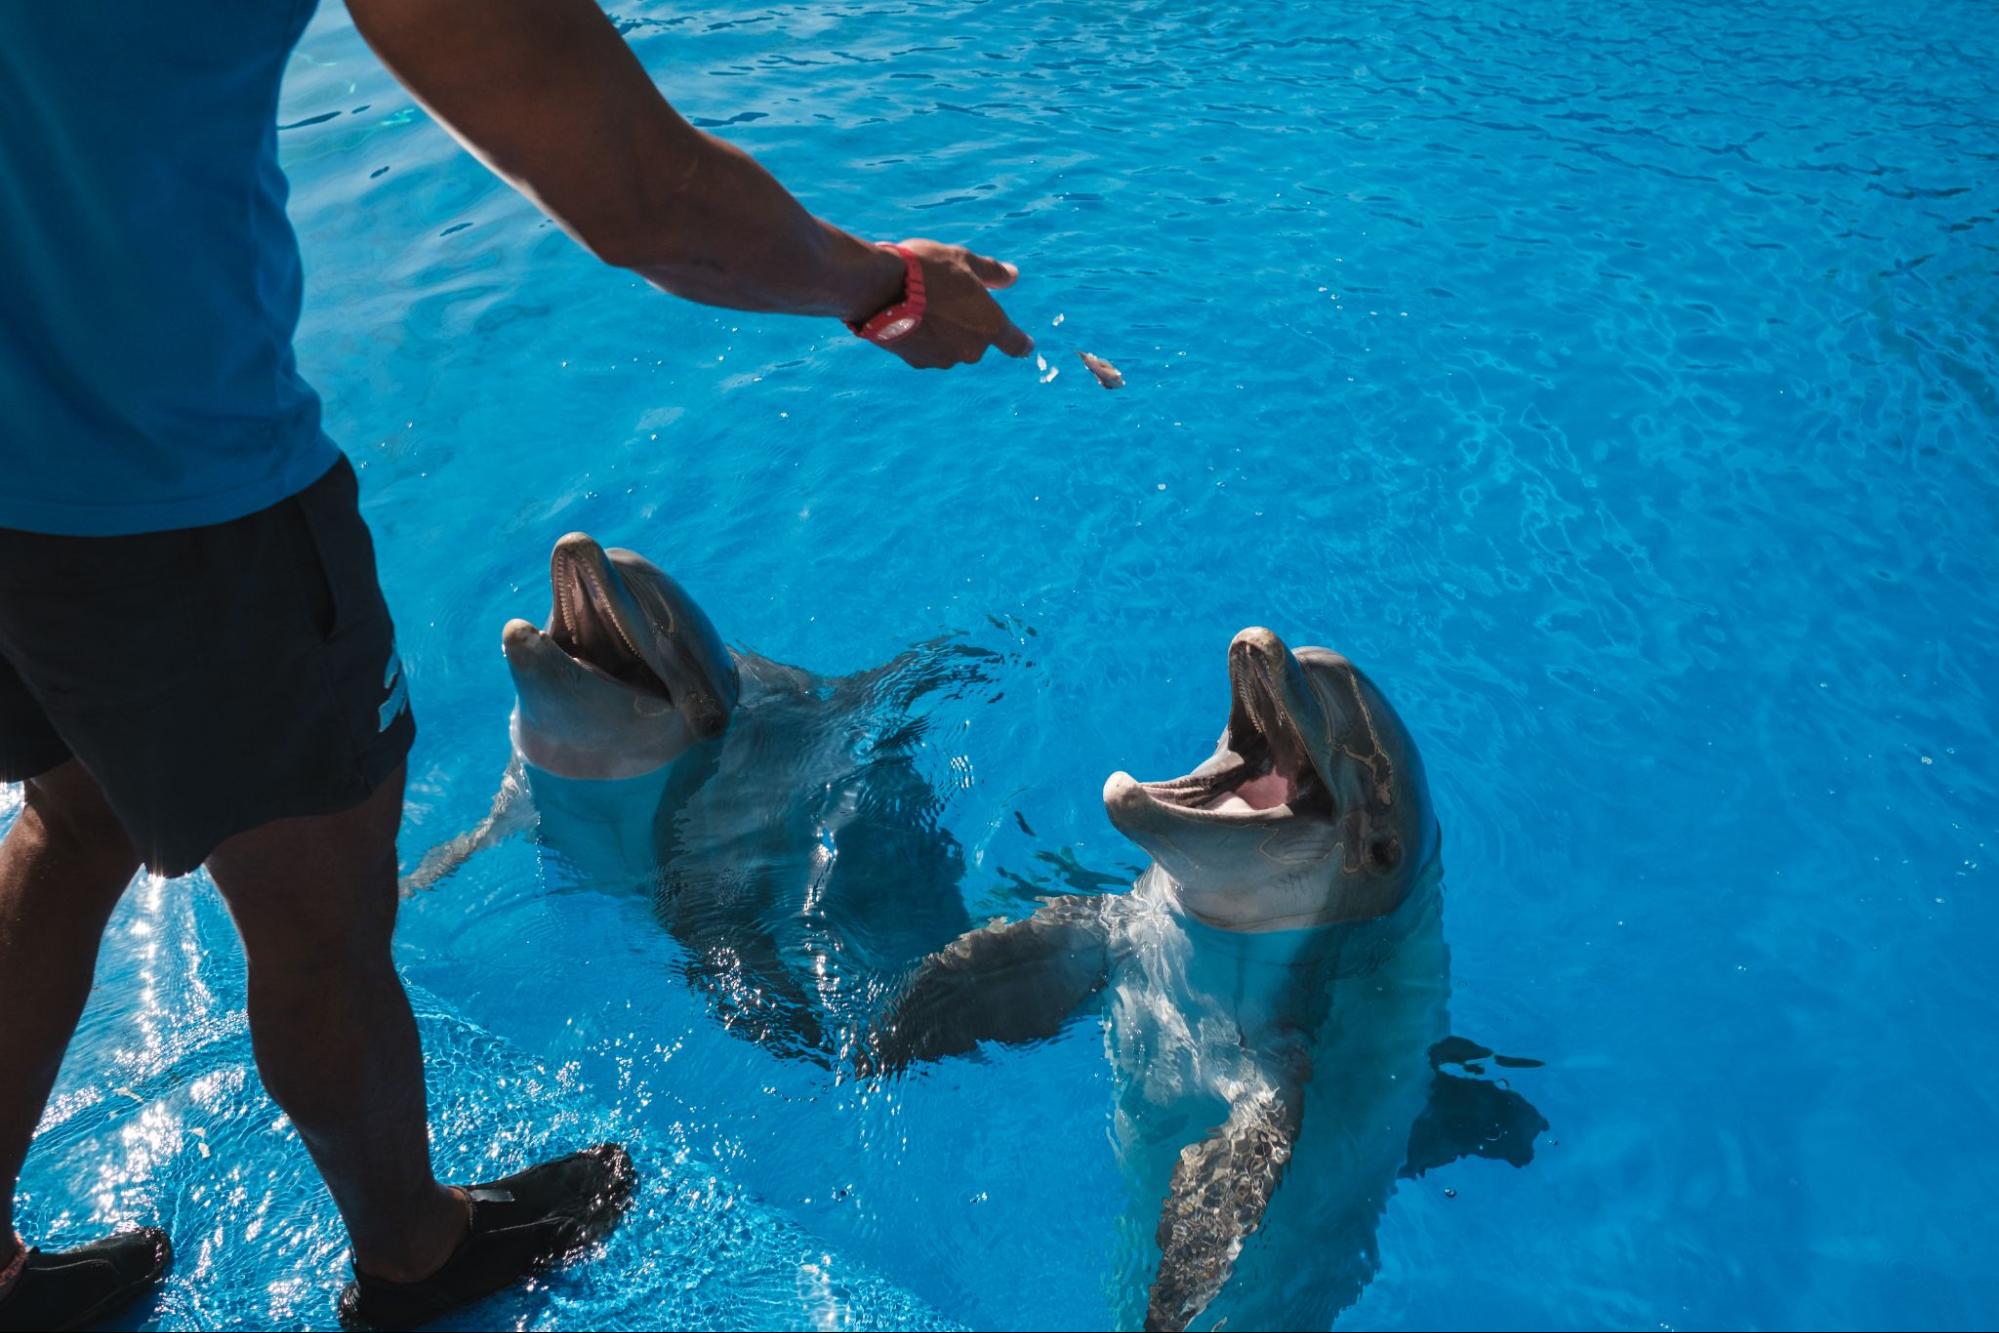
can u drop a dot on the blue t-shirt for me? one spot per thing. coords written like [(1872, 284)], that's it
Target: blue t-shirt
[(149, 279)]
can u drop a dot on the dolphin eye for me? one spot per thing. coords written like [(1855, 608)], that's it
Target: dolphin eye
[(1385, 853)]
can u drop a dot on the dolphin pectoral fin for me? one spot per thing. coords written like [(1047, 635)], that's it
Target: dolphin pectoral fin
[(1015, 981), (511, 812), (741, 967), (1472, 1116), (755, 996), (1221, 1187)]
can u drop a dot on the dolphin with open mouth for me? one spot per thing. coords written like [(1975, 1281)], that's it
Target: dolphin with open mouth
[(778, 818), (1287, 935), (627, 677)]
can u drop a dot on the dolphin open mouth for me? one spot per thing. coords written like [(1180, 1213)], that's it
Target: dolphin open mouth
[(1263, 769), (594, 621)]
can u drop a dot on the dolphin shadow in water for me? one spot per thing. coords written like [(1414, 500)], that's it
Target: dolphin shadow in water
[(1472, 1116), (1056, 872), (780, 820)]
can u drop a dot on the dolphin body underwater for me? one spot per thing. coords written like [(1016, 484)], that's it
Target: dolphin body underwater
[(777, 818), (1283, 954)]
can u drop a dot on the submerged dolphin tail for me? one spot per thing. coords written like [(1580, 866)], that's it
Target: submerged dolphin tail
[(511, 812)]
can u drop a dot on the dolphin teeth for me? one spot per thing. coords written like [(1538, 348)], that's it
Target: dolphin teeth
[(564, 621), (1268, 770), (586, 624), (610, 613)]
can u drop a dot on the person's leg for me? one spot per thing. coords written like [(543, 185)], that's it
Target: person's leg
[(63, 866), (315, 900), (229, 687)]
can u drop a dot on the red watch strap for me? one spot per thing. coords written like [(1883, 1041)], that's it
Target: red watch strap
[(900, 319)]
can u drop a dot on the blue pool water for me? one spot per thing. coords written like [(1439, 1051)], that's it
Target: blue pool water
[(1617, 384)]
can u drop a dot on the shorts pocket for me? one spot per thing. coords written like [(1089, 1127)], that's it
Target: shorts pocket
[(330, 512)]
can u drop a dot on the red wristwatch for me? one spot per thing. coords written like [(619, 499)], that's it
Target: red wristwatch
[(899, 320)]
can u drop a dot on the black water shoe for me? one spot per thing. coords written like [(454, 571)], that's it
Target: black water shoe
[(520, 1226), (84, 1286)]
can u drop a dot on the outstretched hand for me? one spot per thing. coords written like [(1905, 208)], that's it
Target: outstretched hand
[(549, 96), (961, 319)]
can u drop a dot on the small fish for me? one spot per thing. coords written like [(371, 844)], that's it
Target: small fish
[(1106, 373)]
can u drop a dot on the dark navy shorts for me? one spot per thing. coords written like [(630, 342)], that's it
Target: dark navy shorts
[(211, 679)]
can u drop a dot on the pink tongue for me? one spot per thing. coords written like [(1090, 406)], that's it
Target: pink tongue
[(1267, 792)]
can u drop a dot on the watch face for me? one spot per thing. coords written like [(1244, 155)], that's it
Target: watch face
[(896, 328)]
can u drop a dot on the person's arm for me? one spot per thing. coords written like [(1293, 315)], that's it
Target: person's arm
[(547, 94)]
